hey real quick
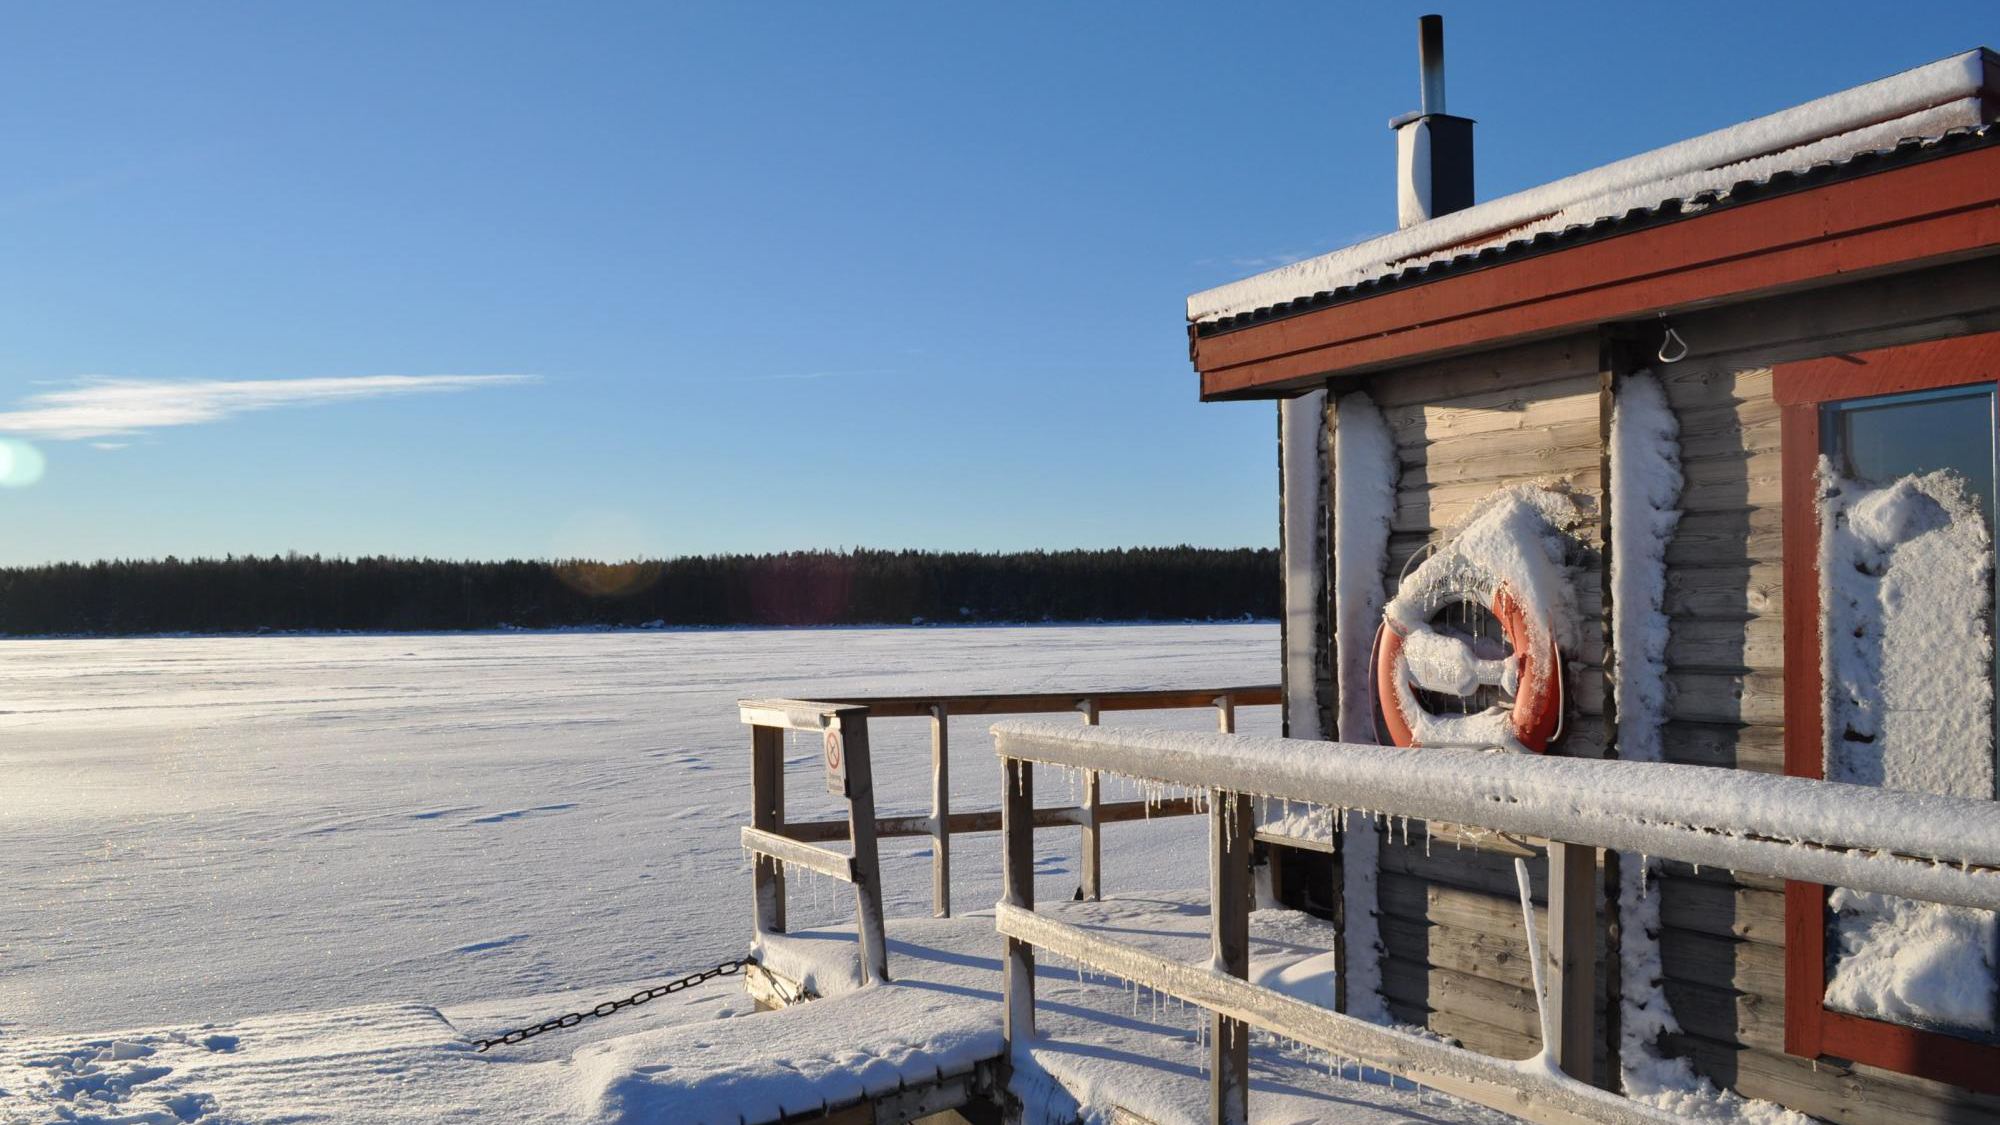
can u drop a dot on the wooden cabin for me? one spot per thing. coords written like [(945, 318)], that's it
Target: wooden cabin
[(1771, 279)]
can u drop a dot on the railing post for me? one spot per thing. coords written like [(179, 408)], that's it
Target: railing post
[(851, 726), (1017, 875), (1573, 957), (940, 810), (1225, 710), (1229, 833), (767, 811), (1093, 850)]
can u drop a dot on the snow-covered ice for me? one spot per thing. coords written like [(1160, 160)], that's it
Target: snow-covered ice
[(204, 830)]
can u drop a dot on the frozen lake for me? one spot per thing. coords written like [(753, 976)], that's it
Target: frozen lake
[(208, 829)]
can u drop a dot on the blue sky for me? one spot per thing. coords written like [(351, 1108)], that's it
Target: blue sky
[(760, 276)]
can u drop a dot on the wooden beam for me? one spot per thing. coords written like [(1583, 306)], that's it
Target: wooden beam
[(1017, 882), (1931, 212), (852, 726), (1050, 703), (1092, 843), (940, 811), (792, 714), (1573, 892), (1230, 819), (798, 853), (1787, 827), (988, 820), (767, 812), (1547, 1098)]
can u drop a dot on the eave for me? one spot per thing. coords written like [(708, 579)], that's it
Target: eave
[(1940, 209)]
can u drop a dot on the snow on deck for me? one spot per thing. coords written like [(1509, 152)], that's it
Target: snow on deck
[(1101, 1046)]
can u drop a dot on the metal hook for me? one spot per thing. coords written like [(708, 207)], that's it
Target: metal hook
[(1672, 340)]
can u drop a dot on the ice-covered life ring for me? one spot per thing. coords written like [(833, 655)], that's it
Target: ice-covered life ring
[(1443, 663)]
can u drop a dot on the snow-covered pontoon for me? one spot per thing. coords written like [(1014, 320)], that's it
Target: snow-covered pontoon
[(1638, 665)]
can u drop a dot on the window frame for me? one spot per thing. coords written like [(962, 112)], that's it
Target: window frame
[(1801, 389)]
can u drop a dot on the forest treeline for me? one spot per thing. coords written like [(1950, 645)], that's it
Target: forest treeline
[(242, 594)]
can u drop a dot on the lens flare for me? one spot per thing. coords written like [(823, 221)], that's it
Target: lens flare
[(607, 580), (21, 464)]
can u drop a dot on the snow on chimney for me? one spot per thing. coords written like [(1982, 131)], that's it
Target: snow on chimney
[(1433, 148)]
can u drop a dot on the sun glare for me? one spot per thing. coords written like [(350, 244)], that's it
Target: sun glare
[(21, 464)]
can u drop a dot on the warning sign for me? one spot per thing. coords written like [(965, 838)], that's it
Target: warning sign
[(836, 764)]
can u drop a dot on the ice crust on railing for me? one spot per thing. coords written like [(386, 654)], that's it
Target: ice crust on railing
[(1824, 832)]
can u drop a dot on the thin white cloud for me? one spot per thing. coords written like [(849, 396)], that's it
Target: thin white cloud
[(795, 375), (119, 407)]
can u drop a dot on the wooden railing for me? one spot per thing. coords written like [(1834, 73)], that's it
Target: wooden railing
[(1939, 849), (842, 726)]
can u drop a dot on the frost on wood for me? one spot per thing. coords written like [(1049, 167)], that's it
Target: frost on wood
[(1520, 539), (1364, 477), (1936, 848), (1304, 515), (1645, 490), (1905, 572), (1921, 102), (1645, 486), (1301, 422)]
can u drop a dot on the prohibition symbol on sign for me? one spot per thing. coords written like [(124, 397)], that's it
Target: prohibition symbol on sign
[(836, 764)]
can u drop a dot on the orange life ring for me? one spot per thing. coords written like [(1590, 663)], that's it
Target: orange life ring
[(1538, 703)]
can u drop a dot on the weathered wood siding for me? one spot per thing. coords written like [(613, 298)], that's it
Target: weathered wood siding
[(1723, 936), (1457, 954)]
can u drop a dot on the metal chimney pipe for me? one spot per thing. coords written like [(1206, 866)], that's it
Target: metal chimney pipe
[(1430, 51), (1433, 148)]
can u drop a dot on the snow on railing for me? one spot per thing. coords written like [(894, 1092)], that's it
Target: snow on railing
[(1938, 849), (842, 724), (1915, 845)]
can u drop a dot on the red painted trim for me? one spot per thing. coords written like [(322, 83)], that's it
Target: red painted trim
[(1926, 1054), (1940, 209), (1811, 1029), (1911, 367)]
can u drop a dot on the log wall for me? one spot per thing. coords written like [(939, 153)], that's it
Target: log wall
[(1456, 951)]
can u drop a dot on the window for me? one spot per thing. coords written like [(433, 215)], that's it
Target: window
[(1890, 680)]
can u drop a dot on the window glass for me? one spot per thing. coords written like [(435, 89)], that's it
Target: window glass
[(1877, 441), (1907, 596)]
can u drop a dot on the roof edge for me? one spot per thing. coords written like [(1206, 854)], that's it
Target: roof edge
[(1911, 92)]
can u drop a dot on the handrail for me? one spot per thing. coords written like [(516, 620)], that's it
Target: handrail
[(1939, 849), (1916, 845), (1038, 703), (775, 842)]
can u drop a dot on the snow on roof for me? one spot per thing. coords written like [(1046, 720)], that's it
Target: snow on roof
[(1926, 101)]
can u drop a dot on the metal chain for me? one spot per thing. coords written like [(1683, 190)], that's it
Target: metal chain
[(520, 1034)]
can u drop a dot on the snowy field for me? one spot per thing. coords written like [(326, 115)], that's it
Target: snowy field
[(206, 830)]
